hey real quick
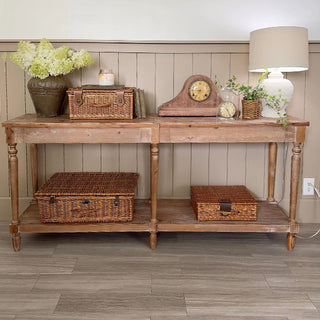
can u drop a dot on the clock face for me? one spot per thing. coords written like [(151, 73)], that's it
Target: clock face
[(199, 90), (227, 109)]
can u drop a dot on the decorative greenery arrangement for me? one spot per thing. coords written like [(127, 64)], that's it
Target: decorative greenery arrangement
[(256, 93), (248, 92), (276, 103), (43, 60)]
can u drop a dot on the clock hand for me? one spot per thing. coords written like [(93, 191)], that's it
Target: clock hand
[(196, 95)]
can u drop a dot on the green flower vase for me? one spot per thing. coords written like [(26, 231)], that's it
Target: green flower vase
[(47, 95)]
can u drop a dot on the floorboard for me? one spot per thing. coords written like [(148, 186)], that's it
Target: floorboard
[(190, 276)]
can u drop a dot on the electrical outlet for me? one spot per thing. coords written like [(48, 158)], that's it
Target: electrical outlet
[(308, 189)]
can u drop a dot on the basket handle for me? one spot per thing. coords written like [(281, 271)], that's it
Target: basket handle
[(83, 213), (224, 214), (101, 105)]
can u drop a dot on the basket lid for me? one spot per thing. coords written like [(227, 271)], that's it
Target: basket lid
[(98, 87), (238, 194), (89, 183)]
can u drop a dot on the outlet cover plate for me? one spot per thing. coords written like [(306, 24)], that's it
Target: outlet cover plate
[(308, 189)]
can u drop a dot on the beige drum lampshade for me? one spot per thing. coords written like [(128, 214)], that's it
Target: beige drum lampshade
[(283, 48), (278, 49)]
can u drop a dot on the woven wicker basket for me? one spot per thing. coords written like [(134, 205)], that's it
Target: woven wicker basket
[(94, 104), (87, 197), (223, 203), (251, 109)]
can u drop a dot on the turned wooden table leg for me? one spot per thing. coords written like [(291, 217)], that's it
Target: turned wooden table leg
[(34, 167), (291, 240), (154, 168), (14, 188), (295, 173), (273, 147)]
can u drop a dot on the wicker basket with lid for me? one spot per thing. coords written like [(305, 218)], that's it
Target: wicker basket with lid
[(223, 203), (70, 197), (98, 103)]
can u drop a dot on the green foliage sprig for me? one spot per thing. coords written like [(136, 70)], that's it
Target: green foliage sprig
[(275, 103), (248, 92), (43, 60)]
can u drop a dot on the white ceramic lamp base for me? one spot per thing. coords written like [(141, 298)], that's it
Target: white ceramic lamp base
[(276, 85)]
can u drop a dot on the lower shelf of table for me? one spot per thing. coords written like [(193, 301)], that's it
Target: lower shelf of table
[(172, 215), (178, 215)]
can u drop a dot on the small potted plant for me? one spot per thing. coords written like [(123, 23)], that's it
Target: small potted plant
[(251, 95), (46, 65)]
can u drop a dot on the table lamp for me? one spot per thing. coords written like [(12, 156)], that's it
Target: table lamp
[(278, 49)]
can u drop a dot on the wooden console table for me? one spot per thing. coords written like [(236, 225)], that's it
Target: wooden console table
[(162, 215)]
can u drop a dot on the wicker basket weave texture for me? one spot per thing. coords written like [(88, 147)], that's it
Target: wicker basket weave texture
[(101, 104), (206, 203), (87, 197), (251, 109)]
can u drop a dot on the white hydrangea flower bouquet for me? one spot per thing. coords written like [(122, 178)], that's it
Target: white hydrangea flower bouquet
[(43, 60)]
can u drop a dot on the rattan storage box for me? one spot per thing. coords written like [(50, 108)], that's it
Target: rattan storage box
[(223, 203), (91, 103), (70, 197)]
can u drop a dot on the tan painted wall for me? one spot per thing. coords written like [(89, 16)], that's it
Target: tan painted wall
[(161, 69)]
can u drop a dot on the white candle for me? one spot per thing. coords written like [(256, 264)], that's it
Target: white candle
[(106, 78)]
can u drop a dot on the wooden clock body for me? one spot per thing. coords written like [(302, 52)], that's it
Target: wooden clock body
[(184, 105)]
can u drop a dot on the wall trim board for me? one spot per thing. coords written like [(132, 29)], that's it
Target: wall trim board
[(132, 41), (311, 42), (314, 47), (153, 46), (147, 47)]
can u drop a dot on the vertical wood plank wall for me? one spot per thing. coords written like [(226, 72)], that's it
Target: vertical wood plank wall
[(161, 69)]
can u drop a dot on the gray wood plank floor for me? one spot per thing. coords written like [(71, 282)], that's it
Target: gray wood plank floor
[(195, 276)]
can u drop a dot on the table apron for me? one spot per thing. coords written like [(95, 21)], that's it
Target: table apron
[(227, 134), (80, 135)]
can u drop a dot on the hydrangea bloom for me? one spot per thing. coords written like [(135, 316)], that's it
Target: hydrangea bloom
[(25, 54), (39, 68), (44, 48), (44, 60), (81, 58)]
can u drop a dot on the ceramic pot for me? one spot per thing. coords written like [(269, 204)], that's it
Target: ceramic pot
[(47, 95)]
